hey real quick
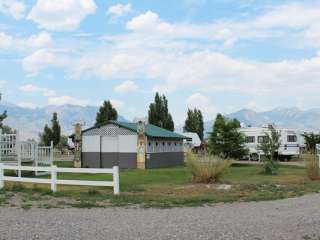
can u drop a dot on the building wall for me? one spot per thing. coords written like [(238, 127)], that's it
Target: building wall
[(164, 152), (109, 146), (166, 159)]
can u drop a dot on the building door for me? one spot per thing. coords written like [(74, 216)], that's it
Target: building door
[(109, 151)]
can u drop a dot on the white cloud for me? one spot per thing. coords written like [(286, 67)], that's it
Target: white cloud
[(2, 83), (126, 86), (27, 105), (51, 95), (35, 89), (202, 102), (118, 104), (118, 10), (149, 22), (163, 88), (62, 100), (61, 15), (41, 40), (14, 8), (5, 40), (40, 60)]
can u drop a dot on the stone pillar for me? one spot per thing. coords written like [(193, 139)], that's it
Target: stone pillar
[(77, 145), (141, 148)]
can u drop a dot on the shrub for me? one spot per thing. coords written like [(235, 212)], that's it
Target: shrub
[(312, 166), (206, 169)]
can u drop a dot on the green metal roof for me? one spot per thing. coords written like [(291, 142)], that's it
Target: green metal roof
[(150, 130)]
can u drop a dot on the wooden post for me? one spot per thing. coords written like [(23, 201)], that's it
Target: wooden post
[(1, 176), (77, 145), (116, 186), (141, 148)]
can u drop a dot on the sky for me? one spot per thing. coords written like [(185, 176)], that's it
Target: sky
[(216, 55)]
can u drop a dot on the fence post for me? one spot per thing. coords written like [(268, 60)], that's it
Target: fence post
[(51, 153), (54, 178), (116, 187), (1, 176)]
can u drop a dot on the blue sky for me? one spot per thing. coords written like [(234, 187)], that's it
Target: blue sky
[(217, 55)]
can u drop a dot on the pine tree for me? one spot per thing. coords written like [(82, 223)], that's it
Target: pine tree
[(46, 136), (106, 113), (194, 122), (55, 129), (226, 140), (158, 113), (51, 134)]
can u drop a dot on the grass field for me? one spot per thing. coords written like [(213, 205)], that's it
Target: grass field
[(169, 187)]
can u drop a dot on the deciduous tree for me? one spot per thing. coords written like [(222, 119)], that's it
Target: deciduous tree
[(225, 139), (159, 113), (194, 122)]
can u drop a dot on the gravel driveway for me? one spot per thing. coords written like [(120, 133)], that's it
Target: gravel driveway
[(297, 218)]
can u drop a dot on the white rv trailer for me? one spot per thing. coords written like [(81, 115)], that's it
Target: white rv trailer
[(290, 141)]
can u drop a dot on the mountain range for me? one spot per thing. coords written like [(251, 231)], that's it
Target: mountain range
[(294, 118), (30, 122)]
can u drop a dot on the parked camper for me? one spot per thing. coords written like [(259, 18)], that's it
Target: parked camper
[(192, 141), (290, 141)]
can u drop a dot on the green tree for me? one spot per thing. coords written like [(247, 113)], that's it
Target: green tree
[(106, 113), (194, 122), (63, 143), (52, 133), (46, 136), (158, 113), (56, 129), (7, 129), (311, 140), (270, 146), (225, 139)]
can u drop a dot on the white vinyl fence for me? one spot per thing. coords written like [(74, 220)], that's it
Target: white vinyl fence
[(53, 181), (318, 153)]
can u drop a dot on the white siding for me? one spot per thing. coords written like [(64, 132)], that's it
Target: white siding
[(91, 143), (128, 143), (109, 144)]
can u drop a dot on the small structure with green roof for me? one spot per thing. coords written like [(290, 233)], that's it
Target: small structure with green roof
[(131, 145)]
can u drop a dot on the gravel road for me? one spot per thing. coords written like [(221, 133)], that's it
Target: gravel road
[(296, 218)]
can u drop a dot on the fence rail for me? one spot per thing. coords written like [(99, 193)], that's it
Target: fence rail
[(53, 170)]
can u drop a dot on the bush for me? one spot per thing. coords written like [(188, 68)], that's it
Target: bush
[(312, 166), (206, 169)]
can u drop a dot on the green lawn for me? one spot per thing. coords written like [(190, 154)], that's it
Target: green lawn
[(168, 187)]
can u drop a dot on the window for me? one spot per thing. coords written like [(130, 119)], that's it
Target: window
[(291, 138), (250, 139), (262, 139)]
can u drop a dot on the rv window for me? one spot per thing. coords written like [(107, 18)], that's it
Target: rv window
[(262, 139), (250, 139), (292, 138)]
